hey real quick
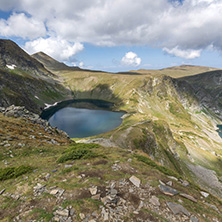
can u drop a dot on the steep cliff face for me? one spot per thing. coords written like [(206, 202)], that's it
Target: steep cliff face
[(208, 89)]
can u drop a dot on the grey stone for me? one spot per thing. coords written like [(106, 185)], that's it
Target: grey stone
[(47, 176), (113, 192), (161, 182), (95, 214), (68, 165), (72, 212), (213, 207), (56, 218), (93, 190), (96, 197), (170, 183), (185, 183), (194, 219), (54, 191), (82, 216), (105, 214), (204, 194), (135, 181), (69, 219), (105, 200), (188, 197), (168, 190), (61, 192), (177, 208), (63, 213), (39, 188), (155, 201)]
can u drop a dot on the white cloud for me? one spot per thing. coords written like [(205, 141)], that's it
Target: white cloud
[(186, 54), (131, 59), (8, 5), (55, 47), (22, 26), (191, 25), (81, 64)]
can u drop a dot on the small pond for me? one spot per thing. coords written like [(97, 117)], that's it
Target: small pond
[(83, 118)]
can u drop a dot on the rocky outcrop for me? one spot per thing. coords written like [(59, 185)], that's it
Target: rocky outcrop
[(20, 111)]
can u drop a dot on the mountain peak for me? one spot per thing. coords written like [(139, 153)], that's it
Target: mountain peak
[(51, 63), (11, 55)]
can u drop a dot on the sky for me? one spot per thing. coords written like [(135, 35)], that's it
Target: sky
[(117, 35)]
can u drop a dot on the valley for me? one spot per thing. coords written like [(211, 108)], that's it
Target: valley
[(169, 133)]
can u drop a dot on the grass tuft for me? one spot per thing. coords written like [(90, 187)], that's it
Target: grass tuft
[(13, 172), (78, 151), (162, 169)]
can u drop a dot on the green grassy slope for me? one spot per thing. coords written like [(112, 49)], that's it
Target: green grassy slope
[(75, 176)]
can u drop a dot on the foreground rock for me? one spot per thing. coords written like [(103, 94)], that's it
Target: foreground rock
[(177, 208), (134, 180), (168, 190), (188, 197)]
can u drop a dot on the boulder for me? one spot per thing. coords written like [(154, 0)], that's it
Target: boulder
[(135, 181), (204, 194), (168, 190), (177, 208), (93, 190), (189, 197), (155, 201)]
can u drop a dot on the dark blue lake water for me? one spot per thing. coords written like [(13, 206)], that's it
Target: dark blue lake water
[(82, 122), (219, 130)]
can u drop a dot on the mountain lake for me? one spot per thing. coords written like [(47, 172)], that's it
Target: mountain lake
[(83, 118)]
